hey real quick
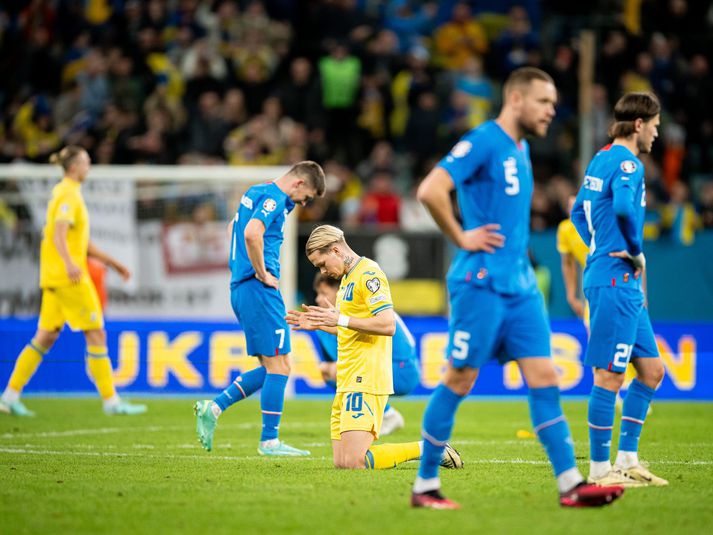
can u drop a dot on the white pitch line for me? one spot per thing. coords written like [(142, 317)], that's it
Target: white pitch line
[(207, 456), (148, 428)]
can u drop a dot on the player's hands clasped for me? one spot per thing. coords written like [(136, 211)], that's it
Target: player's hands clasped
[(269, 280), (483, 238), (74, 272), (322, 316), (638, 261), (299, 320)]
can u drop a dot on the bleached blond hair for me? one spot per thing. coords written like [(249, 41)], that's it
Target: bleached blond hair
[(321, 238)]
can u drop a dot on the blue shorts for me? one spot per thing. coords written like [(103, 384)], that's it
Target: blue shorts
[(261, 313), (406, 376), (485, 324), (620, 328)]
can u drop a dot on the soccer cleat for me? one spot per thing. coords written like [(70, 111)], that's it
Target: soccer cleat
[(433, 499), (615, 477), (206, 423), (451, 458), (393, 421), (16, 408), (588, 495), (125, 408), (641, 475), (280, 449)]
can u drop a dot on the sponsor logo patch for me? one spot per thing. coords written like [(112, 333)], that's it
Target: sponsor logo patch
[(247, 202), (376, 299), (373, 285), (593, 183), (628, 166)]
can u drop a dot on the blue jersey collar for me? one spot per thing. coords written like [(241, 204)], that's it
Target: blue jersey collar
[(289, 203)]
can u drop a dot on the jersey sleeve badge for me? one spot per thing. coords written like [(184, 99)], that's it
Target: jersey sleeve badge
[(373, 285), (628, 166)]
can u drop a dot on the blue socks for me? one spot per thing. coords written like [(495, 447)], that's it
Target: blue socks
[(437, 426), (636, 405), (272, 399), (601, 422), (241, 388), (388, 406), (551, 427)]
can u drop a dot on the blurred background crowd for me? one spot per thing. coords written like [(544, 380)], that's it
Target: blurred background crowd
[(376, 91)]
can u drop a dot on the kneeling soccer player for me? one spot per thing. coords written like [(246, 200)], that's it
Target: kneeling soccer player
[(404, 363), (363, 320)]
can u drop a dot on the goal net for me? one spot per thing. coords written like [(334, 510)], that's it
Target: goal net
[(167, 224)]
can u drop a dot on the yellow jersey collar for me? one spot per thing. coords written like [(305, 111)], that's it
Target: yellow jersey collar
[(68, 182), (355, 265)]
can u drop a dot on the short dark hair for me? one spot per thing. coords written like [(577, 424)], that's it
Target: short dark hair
[(524, 76), (321, 278), (312, 172), (642, 105)]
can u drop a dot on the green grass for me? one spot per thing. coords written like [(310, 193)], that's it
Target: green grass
[(74, 470)]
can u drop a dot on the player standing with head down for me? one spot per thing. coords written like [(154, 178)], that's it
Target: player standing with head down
[(609, 215), (496, 308), (68, 294), (257, 233), (364, 321)]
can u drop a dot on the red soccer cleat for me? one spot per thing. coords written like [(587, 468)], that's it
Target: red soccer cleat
[(586, 495), (433, 499)]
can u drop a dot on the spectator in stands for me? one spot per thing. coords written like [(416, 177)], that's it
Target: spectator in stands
[(381, 203), (207, 128), (460, 39), (512, 47), (300, 94)]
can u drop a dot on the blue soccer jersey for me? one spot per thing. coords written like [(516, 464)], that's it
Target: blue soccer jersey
[(609, 215), (271, 205), (493, 179)]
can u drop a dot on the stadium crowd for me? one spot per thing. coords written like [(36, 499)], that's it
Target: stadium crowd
[(373, 90)]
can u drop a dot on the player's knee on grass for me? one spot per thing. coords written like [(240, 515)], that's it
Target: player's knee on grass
[(611, 381), (350, 461)]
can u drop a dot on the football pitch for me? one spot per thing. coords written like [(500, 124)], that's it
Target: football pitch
[(74, 470)]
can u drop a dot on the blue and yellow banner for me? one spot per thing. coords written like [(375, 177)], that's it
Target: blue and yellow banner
[(191, 357)]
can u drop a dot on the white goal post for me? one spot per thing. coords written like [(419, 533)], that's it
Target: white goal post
[(29, 185)]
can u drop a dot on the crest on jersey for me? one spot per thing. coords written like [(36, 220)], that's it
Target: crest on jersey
[(269, 205), (64, 208), (373, 285), (461, 149), (628, 166)]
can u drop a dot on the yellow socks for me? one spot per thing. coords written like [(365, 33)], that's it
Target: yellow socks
[(100, 369), (386, 456), (26, 365)]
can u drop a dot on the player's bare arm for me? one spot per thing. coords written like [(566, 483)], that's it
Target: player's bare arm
[(254, 245), (434, 193), (94, 252), (60, 242), (381, 324), (570, 274)]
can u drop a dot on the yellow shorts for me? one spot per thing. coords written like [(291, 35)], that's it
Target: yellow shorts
[(356, 411), (77, 305)]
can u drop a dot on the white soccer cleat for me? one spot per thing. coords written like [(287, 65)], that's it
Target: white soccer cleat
[(616, 477), (393, 421), (642, 475)]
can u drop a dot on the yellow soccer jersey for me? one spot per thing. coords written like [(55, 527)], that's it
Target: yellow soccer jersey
[(364, 363), (569, 241), (67, 205)]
